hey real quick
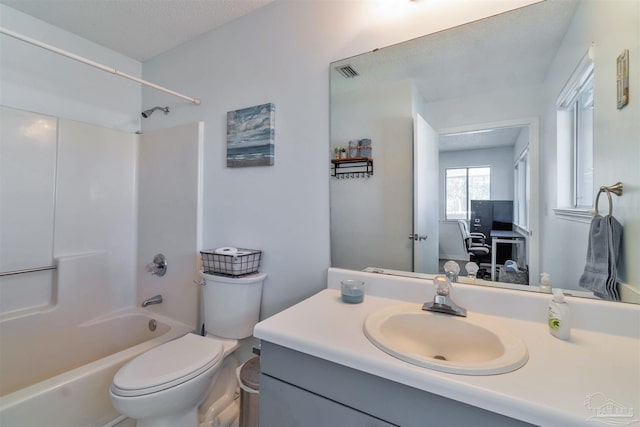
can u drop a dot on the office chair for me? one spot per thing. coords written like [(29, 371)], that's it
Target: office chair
[(474, 244)]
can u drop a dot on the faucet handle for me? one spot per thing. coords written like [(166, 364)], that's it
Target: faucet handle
[(443, 285), (159, 265), (442, 302)]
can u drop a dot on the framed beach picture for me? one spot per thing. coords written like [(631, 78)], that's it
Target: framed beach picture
[(250, 136)]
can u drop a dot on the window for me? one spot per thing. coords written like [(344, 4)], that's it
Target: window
[(463, 185), (582, 112), (575, 139)]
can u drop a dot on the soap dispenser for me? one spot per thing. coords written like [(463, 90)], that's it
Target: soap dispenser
[(558, 319)]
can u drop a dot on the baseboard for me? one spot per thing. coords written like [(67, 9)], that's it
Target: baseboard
[(455, 257)]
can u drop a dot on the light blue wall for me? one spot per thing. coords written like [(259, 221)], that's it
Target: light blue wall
[(281, 54), (616, 147)]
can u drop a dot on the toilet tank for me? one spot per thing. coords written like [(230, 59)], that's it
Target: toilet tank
[(232, 304)]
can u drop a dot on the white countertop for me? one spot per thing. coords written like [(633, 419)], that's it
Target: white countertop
[(551, 389)]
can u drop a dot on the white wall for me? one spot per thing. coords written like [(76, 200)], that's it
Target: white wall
[(95, 208), (105, 183), (35, 79), (95, 201), (378, 210), (28, 148), (497, 106), (169, 218), (522, 143), (95, 187), (617, 152), (501, 162), (281, 54), (93, 222)]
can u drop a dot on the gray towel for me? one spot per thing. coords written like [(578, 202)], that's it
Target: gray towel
[(603, 253), (365, 147), (354, 150)]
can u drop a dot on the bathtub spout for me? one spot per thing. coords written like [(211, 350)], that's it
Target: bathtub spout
[(153, 300)]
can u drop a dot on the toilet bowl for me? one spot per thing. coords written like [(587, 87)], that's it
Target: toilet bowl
[(164, 386)]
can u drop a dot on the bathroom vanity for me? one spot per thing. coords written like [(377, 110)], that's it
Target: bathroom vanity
[(319, 368), (297, 389)]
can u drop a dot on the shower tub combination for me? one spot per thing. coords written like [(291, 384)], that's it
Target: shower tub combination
[(60, 375)]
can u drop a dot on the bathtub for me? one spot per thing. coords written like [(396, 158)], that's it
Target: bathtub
[(59, 376)]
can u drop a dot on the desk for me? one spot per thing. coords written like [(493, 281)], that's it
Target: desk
[(503, 236)]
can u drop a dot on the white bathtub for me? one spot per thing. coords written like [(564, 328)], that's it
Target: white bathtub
[(57, 376)]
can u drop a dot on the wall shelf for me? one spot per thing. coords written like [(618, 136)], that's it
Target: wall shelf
[(354, 167)]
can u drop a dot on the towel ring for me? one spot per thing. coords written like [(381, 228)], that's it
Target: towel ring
[(615, 189), (604, 190)]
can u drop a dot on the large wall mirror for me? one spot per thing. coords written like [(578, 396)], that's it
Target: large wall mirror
[(478, 123)]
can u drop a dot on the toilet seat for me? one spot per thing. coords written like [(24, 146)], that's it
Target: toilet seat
[(167, 365)]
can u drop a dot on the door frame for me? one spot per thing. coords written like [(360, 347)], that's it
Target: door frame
[(533, 232)]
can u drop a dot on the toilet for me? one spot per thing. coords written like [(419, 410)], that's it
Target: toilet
[(164, 386)]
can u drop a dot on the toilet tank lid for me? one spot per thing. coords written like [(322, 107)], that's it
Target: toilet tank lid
[(252, 278), (169, 364)]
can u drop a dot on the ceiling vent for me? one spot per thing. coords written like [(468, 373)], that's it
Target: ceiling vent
[(347, 71)]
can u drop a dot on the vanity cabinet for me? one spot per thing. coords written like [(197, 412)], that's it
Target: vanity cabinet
[(297, 389), (288, 405)]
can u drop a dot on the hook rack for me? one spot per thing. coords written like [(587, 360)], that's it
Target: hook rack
[(616, 189), (355, 167), (349, 175)]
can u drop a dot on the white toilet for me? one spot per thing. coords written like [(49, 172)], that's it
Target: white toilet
[(164, 386)]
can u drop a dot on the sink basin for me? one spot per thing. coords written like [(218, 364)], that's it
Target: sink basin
[(473, 345)]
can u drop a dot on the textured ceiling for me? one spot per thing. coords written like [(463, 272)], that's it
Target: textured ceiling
[(139, 29), (510, 49)]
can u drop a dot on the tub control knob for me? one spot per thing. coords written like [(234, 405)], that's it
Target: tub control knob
[(159, 265)]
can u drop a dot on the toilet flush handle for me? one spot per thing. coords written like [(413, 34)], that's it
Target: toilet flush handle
[(200, 282)]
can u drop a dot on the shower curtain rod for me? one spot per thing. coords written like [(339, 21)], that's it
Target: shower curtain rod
[(78, 58)]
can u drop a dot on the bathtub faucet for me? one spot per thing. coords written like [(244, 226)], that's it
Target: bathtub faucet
[(153, 300)]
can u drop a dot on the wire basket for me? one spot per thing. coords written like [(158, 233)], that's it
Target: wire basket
[(242, 263)]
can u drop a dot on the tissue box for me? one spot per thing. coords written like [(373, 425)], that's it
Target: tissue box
[(241, 263)]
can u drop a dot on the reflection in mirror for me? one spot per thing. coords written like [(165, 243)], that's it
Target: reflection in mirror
[(475, 124)]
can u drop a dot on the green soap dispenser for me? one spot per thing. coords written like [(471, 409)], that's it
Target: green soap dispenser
[(558, 319)]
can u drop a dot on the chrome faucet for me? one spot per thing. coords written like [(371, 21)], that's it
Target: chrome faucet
[(153, 300), (442, 303)]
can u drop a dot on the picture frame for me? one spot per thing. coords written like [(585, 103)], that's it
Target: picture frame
[(622, 79), (251, 136)]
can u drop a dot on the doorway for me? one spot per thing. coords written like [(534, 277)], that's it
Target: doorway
[(509, 151)]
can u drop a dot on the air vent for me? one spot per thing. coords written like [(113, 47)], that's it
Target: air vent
[(347, 71)]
